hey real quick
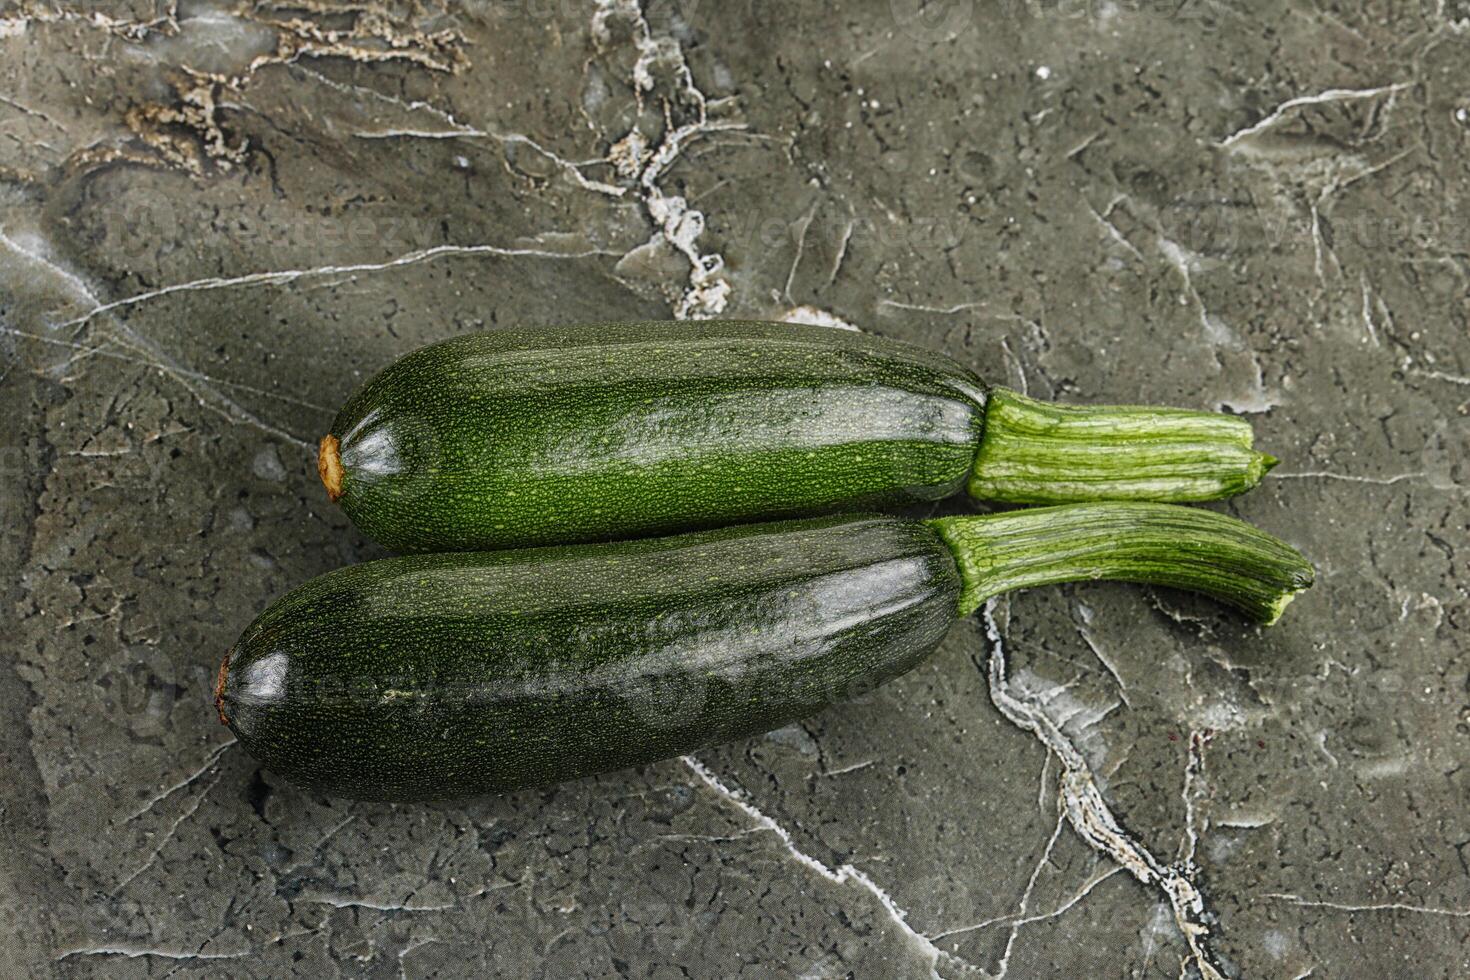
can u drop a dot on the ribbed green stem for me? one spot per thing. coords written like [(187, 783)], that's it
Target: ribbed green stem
[(1039, 453), (1158, 544)]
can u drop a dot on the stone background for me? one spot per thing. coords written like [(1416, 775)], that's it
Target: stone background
[(216, 220)]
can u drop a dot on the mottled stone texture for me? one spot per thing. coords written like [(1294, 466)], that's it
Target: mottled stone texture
[(217, 219)]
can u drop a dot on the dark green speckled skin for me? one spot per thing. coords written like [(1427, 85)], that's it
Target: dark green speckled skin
[(435, 676), (563, 434)]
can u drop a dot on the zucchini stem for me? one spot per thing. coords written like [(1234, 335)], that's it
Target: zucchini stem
[(1035, 452), (1156, 544)]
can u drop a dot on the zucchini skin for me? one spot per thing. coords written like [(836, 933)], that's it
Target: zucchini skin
[(446, 675), (609, 431)]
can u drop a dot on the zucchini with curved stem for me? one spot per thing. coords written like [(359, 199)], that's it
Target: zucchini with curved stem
[(562, 434), (432, 676)]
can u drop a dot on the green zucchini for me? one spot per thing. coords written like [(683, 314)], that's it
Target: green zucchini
[(529, 437), (443, 675)]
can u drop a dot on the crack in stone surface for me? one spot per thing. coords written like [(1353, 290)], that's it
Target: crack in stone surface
[(1088, 812), (24, 15), (375, 35), (1368, 324), (804, 225), (571, 168), (36, 254), (100, 350), (1194, 772), (462, 130), (286, 276), (1016, 919), (1003, 966), (1084, 630), (1454, 379), (147, 352), (1367, 907), (855, 767), (841, 875), (893, 304), (353, 902), (678, 224), (1105, 219), (843, 243), (228, 409), (168, 836), (187, 132), (1379, 481), (1184, 263), (1077, 898), (135, 952), (1330, 95), (209, 763), (1382, 481), (28, 111)]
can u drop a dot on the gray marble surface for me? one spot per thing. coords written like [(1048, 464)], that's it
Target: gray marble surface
[(216, 220)]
